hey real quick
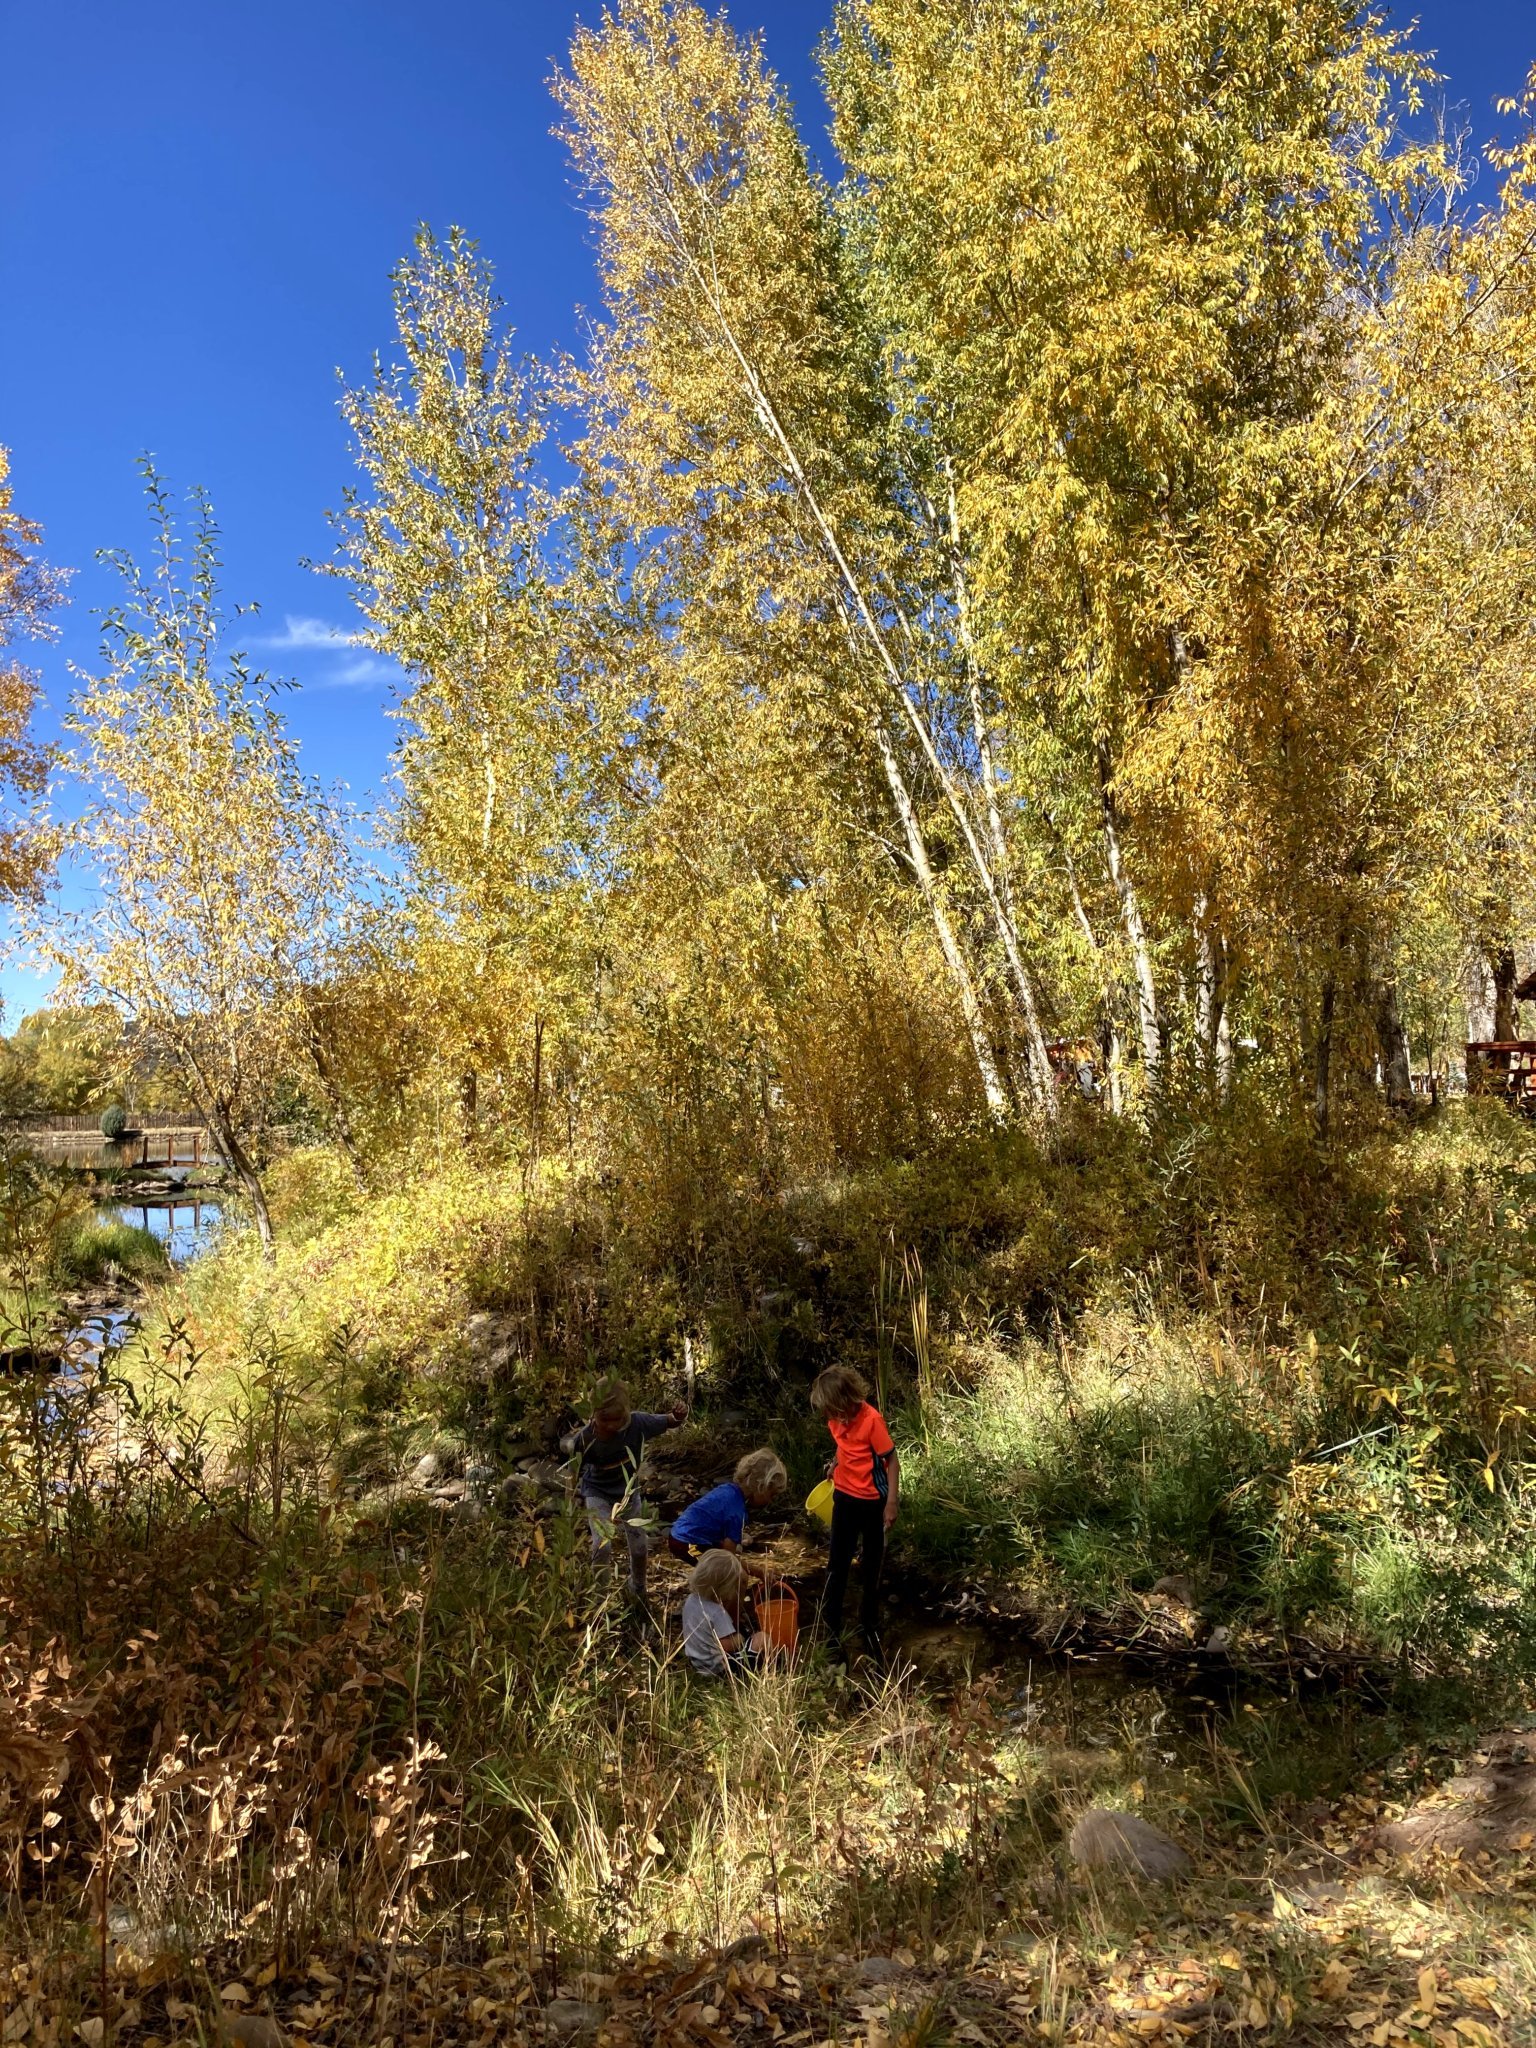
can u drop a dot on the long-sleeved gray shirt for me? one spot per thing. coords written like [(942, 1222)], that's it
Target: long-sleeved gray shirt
[(609, 1464)]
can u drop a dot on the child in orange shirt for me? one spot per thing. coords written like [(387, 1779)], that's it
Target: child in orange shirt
[(866, 1487)]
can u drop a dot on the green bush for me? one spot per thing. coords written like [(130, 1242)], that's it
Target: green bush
[(112, 1248), (114, 1123)]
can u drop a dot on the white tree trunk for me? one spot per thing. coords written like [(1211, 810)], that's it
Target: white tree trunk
[(949, 944), (1148, 1014), (1113, 1049), (857, 601)]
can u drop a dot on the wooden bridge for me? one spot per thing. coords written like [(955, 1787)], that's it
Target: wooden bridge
[(151, 1140)]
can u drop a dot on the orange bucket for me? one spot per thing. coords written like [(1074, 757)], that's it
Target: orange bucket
[(778, 1616)]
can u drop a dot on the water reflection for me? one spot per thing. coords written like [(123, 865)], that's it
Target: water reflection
[(80, 1149), (186, 1225)]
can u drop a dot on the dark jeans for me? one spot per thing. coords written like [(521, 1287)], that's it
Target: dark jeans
[(857, 1526)]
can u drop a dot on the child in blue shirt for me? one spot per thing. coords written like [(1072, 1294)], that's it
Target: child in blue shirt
[(718, 1519)]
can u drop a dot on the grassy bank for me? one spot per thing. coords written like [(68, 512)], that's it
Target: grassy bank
[(1301, 1381), (425, 1777), (280, 1711)]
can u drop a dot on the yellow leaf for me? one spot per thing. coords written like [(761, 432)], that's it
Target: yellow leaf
[(1429, 1989), (1334, 1982), (1477, 2034), (1476, 1990)]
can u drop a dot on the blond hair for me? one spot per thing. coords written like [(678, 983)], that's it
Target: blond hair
[(716, 1576), (613, 1405), (839, 1391), (761, 1473)]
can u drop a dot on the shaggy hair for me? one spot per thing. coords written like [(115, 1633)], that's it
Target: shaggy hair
[(839, 1392), (716, 1576), (761, 1474), (613, 1406)]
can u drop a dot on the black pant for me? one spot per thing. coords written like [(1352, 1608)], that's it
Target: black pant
[(857, 1525)]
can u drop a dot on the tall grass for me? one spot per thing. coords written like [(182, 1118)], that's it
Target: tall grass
[(254, 1716), (111, 1248), (1083, 1471)]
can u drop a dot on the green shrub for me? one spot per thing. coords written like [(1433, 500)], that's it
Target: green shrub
[(112, 1248), (114, 1123)]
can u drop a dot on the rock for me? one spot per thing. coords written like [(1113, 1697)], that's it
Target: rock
[(491, 1328), (451, 1492), (1488, 1807), (950, 1655), (880, 1970), (1176, 1589), (469, 1511), (1105, 1840), (251, 2030), (570, 2016), (1218, 1643), (26, 1358), (383, 1501), (428, 1470), (750, 1948), (542, 1473), (481, 1476), (494, 1337)]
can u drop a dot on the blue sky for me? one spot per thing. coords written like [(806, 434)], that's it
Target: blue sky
[(202, 203)]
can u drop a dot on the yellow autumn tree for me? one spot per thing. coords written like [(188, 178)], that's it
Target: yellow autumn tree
[(214, 868), (28, 592)]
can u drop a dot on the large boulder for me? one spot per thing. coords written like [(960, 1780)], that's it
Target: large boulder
[(1106, 1840), (494, 1339)]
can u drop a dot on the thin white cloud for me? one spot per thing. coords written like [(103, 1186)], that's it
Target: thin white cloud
[(358, 674), (318, 636), (311, 633)]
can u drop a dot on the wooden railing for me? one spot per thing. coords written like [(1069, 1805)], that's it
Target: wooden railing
[(157, 1142)]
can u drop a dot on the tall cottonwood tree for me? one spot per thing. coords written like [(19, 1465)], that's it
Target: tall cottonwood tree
[(215, 865), (467, 567), (740, 369), (1111, 247)]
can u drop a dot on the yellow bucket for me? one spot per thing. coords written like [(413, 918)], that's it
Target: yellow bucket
[(819, 1504)]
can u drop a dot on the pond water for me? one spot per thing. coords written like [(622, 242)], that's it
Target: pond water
[(186, 1224)]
